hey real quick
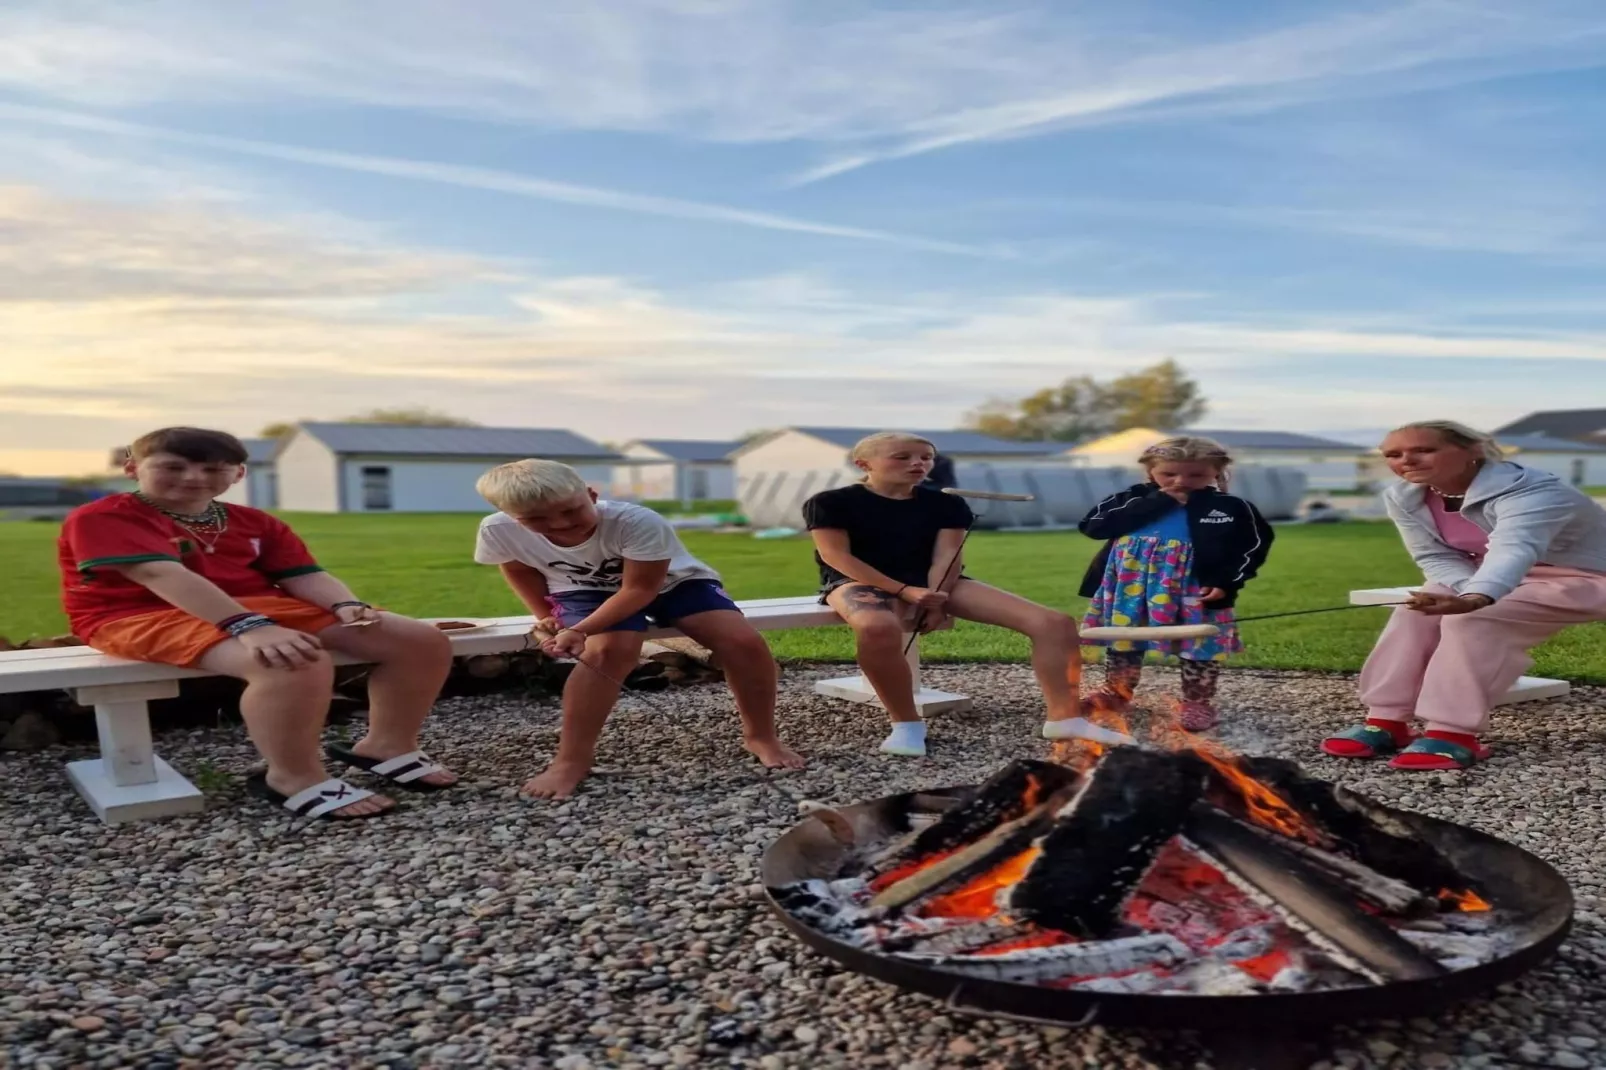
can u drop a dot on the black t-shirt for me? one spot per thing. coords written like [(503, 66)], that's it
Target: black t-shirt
[(896, 536)]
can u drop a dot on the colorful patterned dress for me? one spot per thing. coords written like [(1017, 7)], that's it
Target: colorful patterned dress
[(1148, 581)]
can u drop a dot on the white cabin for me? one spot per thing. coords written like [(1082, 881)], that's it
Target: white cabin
[(387, 468)]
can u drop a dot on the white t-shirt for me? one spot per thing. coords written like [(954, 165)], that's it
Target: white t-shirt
[(624, 531)]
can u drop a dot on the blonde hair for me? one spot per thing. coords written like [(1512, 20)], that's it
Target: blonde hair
[(529, 482), (870, 445), (1186, 448), (1459, 434)]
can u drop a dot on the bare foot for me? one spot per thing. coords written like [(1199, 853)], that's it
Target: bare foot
[(443, 778), (372, 804), (557, 781), (775, 754)]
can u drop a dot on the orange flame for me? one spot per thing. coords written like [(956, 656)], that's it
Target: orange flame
[(1264, 806), (977, 898), (1467, 901)]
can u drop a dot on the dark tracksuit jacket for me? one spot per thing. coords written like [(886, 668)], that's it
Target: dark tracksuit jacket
[(1230, 537)]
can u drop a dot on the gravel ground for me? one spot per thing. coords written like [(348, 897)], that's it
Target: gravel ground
[(625, 928)]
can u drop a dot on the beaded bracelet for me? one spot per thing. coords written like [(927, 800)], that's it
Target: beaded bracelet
[(238, 626)]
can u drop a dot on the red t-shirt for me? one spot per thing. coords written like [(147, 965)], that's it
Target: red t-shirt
[(253, 554)]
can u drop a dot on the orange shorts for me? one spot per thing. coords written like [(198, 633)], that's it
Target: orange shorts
[(174, 637)]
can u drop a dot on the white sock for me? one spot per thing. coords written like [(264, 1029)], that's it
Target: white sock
[(1082, 728), (907, 738)]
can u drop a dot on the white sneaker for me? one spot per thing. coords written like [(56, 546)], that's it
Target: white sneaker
[(1082, 728), (907, 739)]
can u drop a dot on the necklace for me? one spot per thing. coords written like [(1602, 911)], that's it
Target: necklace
[(213, 521)]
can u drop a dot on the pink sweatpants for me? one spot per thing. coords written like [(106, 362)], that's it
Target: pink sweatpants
[(1449, 670)]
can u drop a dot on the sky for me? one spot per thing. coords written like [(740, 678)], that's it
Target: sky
[(696, 218)]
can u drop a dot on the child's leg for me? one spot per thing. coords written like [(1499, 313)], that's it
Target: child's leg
[(876, 618), (410, 662), (750, 673), (1053, 636), (284, 711), (1123, 670), (588, 698), (1199, 680)]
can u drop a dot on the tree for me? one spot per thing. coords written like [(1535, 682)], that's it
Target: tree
[(1160, 396), (415, 417)]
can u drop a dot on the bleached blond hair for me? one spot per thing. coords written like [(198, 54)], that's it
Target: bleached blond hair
[(1186, 448), (871, 445), (529, 482), (1459, 434)]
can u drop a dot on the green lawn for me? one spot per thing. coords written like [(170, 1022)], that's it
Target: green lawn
[(420, 564)]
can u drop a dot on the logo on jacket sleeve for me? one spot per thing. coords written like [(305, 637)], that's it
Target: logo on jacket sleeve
[(1216, 516)]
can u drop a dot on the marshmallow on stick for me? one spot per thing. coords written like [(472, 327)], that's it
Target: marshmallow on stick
[(1158, 631)]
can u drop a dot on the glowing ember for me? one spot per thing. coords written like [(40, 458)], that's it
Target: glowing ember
[(1041, 938), (1467, 901), (909, 869), (978, 897), (1264, 967)]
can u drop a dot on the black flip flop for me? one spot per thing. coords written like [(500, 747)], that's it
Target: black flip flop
[(404, 770)]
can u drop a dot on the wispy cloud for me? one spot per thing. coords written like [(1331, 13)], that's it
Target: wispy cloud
[(1396, 49), (486, 179)]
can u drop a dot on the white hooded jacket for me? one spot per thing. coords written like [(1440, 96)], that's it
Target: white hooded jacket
[(1530, 516)]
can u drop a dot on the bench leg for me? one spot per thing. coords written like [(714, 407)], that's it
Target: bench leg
[(128, 782), (927, 700)]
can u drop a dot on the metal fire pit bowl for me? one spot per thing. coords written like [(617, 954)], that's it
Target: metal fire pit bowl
[(1535, 902)]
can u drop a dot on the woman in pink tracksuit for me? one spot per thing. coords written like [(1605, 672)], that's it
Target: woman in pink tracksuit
[(1511, 556)]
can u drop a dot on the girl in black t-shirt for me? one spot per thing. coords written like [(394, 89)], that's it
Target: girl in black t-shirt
[(887, 547)]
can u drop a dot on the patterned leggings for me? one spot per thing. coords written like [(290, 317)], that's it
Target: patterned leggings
[(1123, 668)]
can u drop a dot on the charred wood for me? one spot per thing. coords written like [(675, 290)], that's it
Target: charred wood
[(1105, 839), (1323, 908)]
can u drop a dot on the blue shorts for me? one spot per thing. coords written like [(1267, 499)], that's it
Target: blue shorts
[(680, 601)]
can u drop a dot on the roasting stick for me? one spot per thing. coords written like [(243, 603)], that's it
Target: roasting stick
[(958, 492), (541, 635), (1202, 631)]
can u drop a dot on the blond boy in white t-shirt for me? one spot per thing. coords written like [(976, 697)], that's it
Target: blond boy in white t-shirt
[(599, 572)]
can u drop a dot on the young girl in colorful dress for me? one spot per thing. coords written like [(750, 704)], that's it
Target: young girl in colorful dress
[(1179, 549)]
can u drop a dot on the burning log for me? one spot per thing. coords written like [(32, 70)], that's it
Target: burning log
[(1377, 838), (1105, 840), (1387, 894), (1006, 841), (1325, 911), (1063, 960), (1008, 794)]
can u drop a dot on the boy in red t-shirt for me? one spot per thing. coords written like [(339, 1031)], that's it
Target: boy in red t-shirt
[(170, 574)]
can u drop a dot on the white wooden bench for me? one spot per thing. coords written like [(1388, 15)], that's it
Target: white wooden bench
[(129, 782), (1526, 689)]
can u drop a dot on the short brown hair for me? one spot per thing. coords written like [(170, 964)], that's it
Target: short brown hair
[(196, 444)]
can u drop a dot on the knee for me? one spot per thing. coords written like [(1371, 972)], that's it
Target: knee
[(740, 647), (415, 643), (1052, 626), (878, 630), (316, 677), (618, 652)]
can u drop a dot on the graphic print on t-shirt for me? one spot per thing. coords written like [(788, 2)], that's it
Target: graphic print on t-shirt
[(606, 574)]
